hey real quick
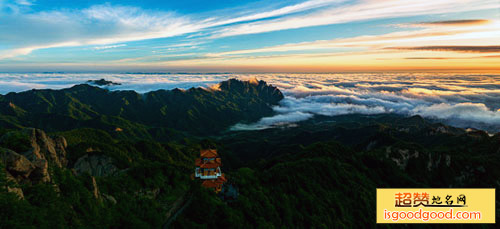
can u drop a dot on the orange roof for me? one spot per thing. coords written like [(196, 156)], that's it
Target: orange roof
[(211, 184), (209, 165), (208, 153)]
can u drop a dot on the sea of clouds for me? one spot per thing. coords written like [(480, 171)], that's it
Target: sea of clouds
[(462, 100)]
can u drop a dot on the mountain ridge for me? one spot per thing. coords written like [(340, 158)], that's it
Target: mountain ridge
[(95, 168), (193, 110)]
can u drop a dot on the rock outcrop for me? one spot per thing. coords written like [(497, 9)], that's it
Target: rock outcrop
[(17, 165), (95, 165), (13, 189), (401, 156), (32, 165), (44, 147), (41, 172), (261, 89), (95, 188)]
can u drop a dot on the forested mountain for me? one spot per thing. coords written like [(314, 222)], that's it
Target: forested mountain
[(197, 110), (87, 157)]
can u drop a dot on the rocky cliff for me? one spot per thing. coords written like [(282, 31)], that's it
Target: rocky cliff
[(37, 152)]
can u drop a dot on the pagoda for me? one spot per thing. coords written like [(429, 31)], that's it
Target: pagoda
[(208, 170)]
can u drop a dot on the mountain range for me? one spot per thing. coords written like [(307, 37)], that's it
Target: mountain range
[(88, 157), (197, 110)]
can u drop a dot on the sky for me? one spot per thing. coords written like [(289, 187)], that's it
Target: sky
[(249, 36)]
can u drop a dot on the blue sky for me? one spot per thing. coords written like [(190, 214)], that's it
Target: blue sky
[(248, 36)]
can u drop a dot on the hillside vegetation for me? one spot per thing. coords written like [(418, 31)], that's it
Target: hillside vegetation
[(86, 157)]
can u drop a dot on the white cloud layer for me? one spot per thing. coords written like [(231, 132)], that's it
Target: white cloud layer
[(283, 119), (459, 100)]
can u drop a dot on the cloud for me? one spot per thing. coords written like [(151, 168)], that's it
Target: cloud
[(110, 24), (426, 37), (137, 82), (459, 100), (108, 46), (314, 105), (464, 113), (96, 25), (280, 120), (303, 6), (359, 11), (450, 58), (473, 49), (429, 58), (25, 2), (464, 22), (27, 50), (491, 56)]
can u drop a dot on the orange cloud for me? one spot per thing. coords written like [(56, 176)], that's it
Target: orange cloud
[(452, 48), (455, 22)]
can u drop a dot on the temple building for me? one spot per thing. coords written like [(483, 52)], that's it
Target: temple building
[(208, 170)]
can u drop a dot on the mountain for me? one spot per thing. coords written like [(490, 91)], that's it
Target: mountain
[(197, 110), (323, 173), (86, 178), (119, 159)]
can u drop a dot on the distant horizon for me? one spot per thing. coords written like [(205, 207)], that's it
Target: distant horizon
[(477, 71)]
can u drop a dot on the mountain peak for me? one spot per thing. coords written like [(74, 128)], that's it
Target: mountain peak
[(102, 82)]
